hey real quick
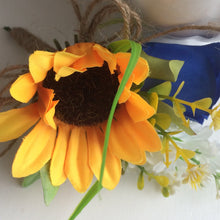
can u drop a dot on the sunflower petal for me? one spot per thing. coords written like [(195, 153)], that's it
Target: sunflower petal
[(24, 88), (112, 171), (66, 71), (47, 105), (79, 49), (57, 173), (140, 71), (40, 62), (35, 150), (14, 123), (143, 132), (146, 132), (138, 108), (106, 55), (89, 60), (124, 96), (64, 59), (123, 144), (77, 164)]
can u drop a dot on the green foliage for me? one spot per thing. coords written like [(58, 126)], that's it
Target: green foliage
[(48, 189), (29, 180), (165, 108), (167, 70), (162, 89), (119, 46)]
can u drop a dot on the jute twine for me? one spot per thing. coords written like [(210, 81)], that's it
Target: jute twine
[(88, 26)]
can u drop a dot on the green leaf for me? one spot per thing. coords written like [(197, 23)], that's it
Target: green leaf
[(175, 67), (162, 89), (135, 53), (163, 120), (86, 199), (150, 98), (165, 108), (27, 181), (179, 109), (48, 189), (119, 46), (167, 70), (137, 88)]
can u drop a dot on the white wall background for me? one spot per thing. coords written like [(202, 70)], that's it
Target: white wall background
[(55, 19)]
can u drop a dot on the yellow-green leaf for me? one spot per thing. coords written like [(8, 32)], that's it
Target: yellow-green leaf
[(167, 70), (165, 108), (176, 66), (119, 46), (166, 151), (202, 103), (179, 109), (186, 154), (162, 89), (151, 98), (163, 120)]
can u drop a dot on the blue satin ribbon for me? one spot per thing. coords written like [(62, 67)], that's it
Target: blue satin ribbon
[(201, 72)]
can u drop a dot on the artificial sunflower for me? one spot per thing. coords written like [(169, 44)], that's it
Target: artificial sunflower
[(75, 89)]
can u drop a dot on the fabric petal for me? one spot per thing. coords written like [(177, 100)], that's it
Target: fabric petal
[(106, 55), (35, 151), (57, 173), (89, 57), (24, 88), (47, 105), (15, 122), (79, 49), (112, 171), (123, 144), (64, 59), (77, 163), (138, 108), (140, 71), (143, 132), (40, 62), (89, 60), (66, 71)]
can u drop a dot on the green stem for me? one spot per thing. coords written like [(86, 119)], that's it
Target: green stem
[(136, 50)]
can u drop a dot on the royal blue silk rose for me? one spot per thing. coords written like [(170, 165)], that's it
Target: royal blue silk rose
[(201, 72)]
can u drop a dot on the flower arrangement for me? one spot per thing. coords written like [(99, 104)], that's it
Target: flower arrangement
[(98, 109)]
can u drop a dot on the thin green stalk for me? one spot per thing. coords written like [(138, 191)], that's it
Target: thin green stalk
[(135, 53)]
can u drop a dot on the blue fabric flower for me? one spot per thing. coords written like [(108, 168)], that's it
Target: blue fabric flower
[(201, 71)]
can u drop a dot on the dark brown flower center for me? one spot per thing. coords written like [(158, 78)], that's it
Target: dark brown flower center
[(85, 99)]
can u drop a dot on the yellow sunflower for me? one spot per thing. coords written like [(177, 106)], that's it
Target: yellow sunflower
[(75, 89)]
